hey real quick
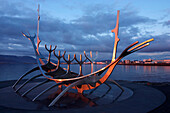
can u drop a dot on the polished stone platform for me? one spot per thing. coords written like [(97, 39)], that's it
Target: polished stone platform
[(135, 98)]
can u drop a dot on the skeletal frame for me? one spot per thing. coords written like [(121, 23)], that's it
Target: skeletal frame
[(86, 81), (52, 66)]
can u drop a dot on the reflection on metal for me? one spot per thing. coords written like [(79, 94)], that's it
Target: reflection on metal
[(80, 63), (72, 80), (116, 30), (69, 73), (50, 50), (93, 60), (38, 39)]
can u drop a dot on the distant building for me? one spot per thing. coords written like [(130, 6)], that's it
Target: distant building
[(147, 60), (167, 61), (127, 61), (136, 62), (121, 62), (100, 63), (141, 62), (161, 61)]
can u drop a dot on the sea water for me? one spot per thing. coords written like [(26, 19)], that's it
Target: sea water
[(121, 72)]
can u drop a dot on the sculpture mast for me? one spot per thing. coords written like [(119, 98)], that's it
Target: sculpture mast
[(116, 30), (38, 39)]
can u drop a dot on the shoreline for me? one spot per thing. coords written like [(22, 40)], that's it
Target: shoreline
[(147, 64), (161, 64)]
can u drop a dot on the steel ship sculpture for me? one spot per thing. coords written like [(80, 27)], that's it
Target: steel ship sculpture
[(65, 77)]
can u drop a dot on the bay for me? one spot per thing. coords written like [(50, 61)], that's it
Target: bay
[(121, 72)]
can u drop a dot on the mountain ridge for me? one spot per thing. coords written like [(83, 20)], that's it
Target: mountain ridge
[(16, 59)]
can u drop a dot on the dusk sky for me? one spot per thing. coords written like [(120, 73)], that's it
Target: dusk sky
[(78, 25)]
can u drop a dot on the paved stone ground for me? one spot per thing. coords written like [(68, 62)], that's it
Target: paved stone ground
[(165, 107), (136, 104)]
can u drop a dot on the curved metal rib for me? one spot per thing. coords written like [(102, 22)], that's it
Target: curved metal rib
[(107, 90), (45, 67), (114, 82), (98, 87), (27, 82), (35, 87), (44, 91), (63, 92), (32, 70)]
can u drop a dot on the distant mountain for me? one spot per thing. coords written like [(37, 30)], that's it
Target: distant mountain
[(16, 59)]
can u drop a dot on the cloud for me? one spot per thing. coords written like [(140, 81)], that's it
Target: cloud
[(91, 31), (160, 44), (166, 23)]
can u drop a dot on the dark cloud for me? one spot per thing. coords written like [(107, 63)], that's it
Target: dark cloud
[(160, 44)]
